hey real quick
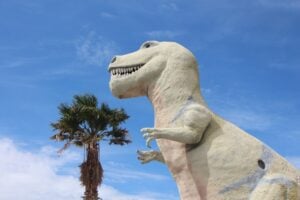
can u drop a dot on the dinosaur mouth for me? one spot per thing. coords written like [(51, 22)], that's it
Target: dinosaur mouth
[(125, 70)]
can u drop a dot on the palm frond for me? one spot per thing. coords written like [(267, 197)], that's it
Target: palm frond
[(84, 121), (85, 100), (66, 145)]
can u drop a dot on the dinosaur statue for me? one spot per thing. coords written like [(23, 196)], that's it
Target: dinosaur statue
[(209, 157)]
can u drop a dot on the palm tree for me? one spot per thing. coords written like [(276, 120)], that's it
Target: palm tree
[(85, 124)]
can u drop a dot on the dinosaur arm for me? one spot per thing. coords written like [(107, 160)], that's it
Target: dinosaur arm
[(184, 134), (195, 120)]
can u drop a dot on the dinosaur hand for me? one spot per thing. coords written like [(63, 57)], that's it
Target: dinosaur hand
[(149, 135), (146, 156)]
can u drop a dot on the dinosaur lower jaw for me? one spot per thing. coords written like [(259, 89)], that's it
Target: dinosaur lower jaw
[(123, 71)]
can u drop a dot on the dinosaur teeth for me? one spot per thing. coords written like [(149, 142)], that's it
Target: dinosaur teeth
[(125, 70)]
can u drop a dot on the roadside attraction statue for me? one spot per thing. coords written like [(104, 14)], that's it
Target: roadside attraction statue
[(209, 157)]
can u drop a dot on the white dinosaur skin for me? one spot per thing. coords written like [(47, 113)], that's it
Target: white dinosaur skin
[(209, 157)]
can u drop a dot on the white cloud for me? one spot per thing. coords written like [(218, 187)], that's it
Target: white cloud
[(95, 50), (28, 176), (43, 175)]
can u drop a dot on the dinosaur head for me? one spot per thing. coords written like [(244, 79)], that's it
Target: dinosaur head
[(132, 74)]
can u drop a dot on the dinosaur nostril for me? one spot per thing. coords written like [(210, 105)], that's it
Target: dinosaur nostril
[(261, 164), (113, 59)]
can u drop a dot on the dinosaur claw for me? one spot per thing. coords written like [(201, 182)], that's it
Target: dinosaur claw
[(149, 139), (149, 135), (146, 156), (145, 135), (144, 130)]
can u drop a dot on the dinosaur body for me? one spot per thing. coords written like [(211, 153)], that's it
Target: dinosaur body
[(209, 157)]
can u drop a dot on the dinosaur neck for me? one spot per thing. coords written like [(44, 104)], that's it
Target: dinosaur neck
[(171, 92)]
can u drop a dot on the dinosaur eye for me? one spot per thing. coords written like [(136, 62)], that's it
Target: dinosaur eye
[(147, 45), (261, 164)]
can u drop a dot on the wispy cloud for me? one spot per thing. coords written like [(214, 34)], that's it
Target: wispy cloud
[(288, 4), (28, 6), (248, 111), (281, 65), (13, 64), (117, 172), (95, 50), (107, 15), (16, 62), (169, 6), (164, 34), (43, 175), (60, 71), (249, 119), (21, 83)]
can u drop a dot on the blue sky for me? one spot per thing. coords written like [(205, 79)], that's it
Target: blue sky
[(50, 50)]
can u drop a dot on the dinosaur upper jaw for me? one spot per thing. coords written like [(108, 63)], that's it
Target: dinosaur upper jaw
[(124, 71)]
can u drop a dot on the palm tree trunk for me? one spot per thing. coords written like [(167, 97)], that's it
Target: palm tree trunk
[(91, 172)]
